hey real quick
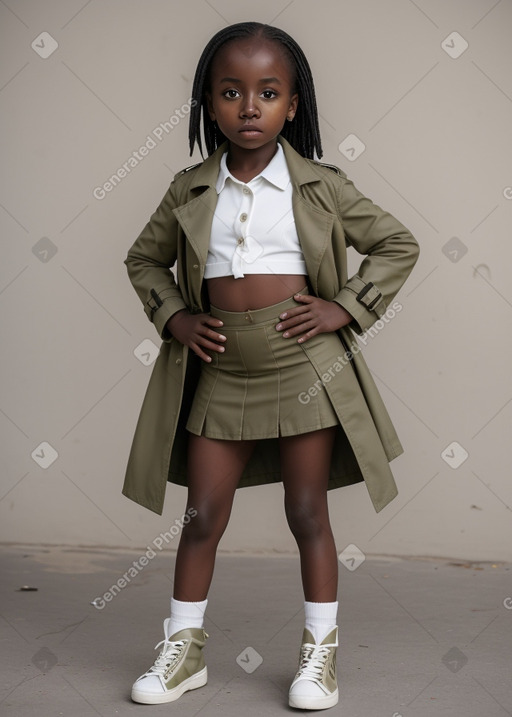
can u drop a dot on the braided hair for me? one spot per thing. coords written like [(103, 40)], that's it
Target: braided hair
[(302, 132)]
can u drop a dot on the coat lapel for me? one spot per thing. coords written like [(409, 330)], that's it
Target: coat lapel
[(314, 225), (314, 228), (196, 216)]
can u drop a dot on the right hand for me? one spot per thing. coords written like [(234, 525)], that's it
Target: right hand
[(196, 332)]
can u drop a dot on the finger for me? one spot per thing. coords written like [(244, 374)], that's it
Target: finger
[(210, 333), (212, 321), (308, 335), (296, 311), (306, 298), (293, 321), (202, 355), (210, 345), (300, 329), (198, 348)]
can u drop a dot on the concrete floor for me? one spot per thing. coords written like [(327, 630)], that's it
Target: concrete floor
[(418, 637)]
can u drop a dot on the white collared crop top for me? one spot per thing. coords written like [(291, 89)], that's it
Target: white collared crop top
[(253, 228)]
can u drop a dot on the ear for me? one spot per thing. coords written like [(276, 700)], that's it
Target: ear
[(292, 109), (210, 106)]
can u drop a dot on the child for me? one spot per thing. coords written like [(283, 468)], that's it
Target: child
[(257, 345)]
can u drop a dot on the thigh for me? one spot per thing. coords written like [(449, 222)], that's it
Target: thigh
[(214, 468), (305, 464)]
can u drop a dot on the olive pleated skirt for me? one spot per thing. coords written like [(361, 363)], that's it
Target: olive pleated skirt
[(255, 389)]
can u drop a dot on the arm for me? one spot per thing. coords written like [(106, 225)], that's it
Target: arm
[(148, 263), (391, 253)]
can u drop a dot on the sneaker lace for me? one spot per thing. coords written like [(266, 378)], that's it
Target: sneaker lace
[(312, 660), (167, 657)]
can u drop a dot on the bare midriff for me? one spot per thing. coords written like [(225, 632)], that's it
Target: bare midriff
[(253, 291)]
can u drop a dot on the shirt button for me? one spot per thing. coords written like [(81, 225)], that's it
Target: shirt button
[(243, 217), (240, 240), (246, 190)]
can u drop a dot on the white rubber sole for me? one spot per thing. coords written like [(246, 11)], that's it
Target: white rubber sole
[(191, 683), (313, 703)]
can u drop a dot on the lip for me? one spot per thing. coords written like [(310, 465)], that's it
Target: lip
[(250, 128)]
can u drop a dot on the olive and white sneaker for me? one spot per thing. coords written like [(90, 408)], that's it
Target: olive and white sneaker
[(315, 686), (179, 667)]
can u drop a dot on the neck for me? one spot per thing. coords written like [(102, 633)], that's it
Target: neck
[(245, 164)]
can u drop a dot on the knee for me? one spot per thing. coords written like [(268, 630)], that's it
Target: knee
[(306, 519), (206, 526)]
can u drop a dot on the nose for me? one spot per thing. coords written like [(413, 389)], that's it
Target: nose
[(250, 107)]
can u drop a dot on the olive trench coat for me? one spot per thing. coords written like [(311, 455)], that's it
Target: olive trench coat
[(330, 214)]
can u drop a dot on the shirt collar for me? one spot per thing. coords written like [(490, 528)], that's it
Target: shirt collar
[(276, 172)]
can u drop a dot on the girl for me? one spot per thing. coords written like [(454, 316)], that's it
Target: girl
[(257, 342)]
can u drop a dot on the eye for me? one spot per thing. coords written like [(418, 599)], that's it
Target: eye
[(231, 94), (269, 94)]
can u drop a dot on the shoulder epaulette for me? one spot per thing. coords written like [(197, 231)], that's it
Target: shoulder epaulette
[(333, 167), (187, 169)]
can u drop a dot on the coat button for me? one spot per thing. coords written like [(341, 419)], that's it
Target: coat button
[(178, 361), (196, 266)]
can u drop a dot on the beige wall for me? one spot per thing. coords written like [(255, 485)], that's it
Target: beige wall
[(437, 136)]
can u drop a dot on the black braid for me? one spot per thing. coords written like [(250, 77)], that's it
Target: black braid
[(302, 132)]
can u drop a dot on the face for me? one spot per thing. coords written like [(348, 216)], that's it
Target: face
[(251, 93)]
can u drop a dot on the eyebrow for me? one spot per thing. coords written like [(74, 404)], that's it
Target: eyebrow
[(264, 80)]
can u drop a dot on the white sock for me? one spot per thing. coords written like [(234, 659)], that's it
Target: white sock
[(320, 618), (186, 614)]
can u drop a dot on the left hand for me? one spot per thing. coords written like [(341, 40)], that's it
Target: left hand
[(314, 316)]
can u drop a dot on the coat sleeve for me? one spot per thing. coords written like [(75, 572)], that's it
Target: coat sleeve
[(391, 253), (149, 261)]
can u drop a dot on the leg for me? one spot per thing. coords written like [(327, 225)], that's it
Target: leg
[(214, 470), (305, 461)]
